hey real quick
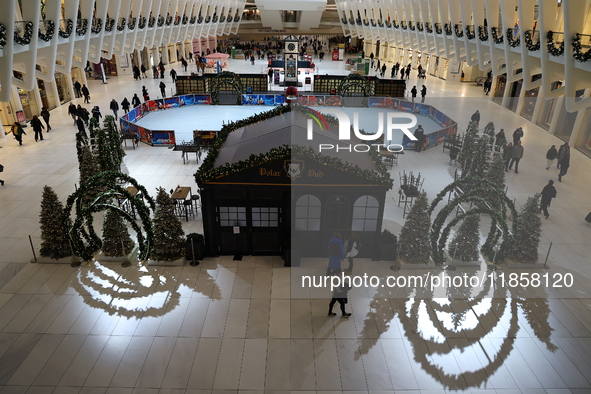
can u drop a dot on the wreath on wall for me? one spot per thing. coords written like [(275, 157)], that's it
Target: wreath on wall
[(403, 25), (131, 23), (194, 19), (25, 39), (185, 19), (429, 27), (151, 21), (49, 31), (448, 30), (121, 24), (142, 22), (97, 26), (109, 24), (229, 19), (411, 25), (458, 30), (380, 23), (160, 21), (237, 18), (168, 20), (470, 33), (214, 19), (420, 26), (497, 35), (82, 27), (344, 21), (222, 19), (2, 35), (207, 172), (366, 22), (373, 23), (177, 21), (578, 53), (226, 77), (482, 33), (438, 28), (200, 20), (513, 42), (388, 24), (552, 48), (395, 24), (69, 27), (354, 80), (529, 42), (207, 19)]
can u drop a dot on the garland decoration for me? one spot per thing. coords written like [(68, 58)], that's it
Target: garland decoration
[(168, 20), (68, 31), (220, 79), (552, 48), (420, 26), (25, 39), (366, 22), (185, 19), (131, 23), (458, 30), (237, 19), (429, 27), (82, 27), (497, 35), (448, 31), (222, 19), (49, 30), (513, 42), (373, 23), (229, 19), (177, 21), (388, 24), (411, 25), (2, 35), (142, 22), (214, 18), (160, 21), (351, 21), (395, 24), (357, 81), (109, 24), (482, 33), (380, 23), (470, 33), (529, 43), (207, 19), (97, 26), (578, 53), (121, 24), (438, 28), (200, 20), (403, 25), (207, 172), (151, 21), (344, 21)]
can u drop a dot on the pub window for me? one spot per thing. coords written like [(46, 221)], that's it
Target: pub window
[(232, 216), (337, 213), (365, 214), (307, 214), (265, 217)]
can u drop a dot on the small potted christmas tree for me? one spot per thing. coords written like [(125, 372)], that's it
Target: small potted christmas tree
[(117, 244), (526, 239), (414, 243), (169, 242), (465, 245), (195, 248), (55, 242)]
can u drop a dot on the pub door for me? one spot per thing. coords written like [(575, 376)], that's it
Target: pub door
[(255, 229)]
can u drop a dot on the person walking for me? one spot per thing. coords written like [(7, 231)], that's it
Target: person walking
[(383, 70), (336, 253), (392, 71), (37, 128), (144, 69), (564, 165), (420, 135), (475, 117), (2, 170), (125, 105), (413, 93), (408, 71), (352, 249), (72, 111), (136, 73), (162, 89), (45, 115), (114, 106), (78, 89), (80, 125), (551, 155), (155, 72), (517, 135), (145, 93), (548, 193), (17, 132), (173, 75), (162, 69), (135, 100), (423, 93), (516, 155), (507, 154), (339, 295), (500, 138), (252, 59), (184, 63), (86, 94), (562, 151), (96, 112)]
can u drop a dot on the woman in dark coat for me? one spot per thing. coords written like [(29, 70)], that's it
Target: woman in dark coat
[(145, 93), (564, 164), (125, 105), (37, 127)]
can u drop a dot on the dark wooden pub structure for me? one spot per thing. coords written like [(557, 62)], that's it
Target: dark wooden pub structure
[(265, 187)]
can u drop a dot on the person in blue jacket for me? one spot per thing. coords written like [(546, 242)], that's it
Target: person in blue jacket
[(336, 253)]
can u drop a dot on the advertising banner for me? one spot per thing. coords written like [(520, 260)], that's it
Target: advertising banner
[(171, 102), (250, 99), (332, 101), (279, 99), (377, 102), (200, 99), (163, 137)]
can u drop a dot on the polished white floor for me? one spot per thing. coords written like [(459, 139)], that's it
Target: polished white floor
[(229, 326)]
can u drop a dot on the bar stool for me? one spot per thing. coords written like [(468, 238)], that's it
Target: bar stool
[(188, 206), (196, 199)]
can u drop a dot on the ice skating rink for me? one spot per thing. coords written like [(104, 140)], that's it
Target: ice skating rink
[(184, 120)]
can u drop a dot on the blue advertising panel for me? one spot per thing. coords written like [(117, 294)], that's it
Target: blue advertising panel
[(188, 99), (406, 106), (250, 99), (378, 102), (279, 99), (267, 99), (163, 137), (423, 109), (202, 99), (171, 102)]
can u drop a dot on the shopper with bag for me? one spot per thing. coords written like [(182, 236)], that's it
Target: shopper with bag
[(17, 131)]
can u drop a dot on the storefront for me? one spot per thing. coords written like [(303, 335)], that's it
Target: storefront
[(499, 88), (63, 89), (514, 93), (583, 142), (269, 197), (566, 120), (109, 65), (546, 112)]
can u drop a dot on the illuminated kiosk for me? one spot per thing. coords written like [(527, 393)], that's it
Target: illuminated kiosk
[(265, 187)]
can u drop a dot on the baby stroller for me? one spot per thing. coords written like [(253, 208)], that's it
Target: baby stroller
[(422, 74)]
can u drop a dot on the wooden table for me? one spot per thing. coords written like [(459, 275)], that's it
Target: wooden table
[(180, 194), (126, 204), (390, 158)]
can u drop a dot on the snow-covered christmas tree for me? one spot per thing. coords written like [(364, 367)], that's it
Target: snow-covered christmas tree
[(414, 242), (169, 238), (465, 244), (116, 239), (525, 242)]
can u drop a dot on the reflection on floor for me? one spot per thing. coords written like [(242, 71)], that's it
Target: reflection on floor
[(236, 325)]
